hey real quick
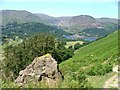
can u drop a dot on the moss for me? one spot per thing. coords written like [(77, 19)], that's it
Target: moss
[(48, 55)]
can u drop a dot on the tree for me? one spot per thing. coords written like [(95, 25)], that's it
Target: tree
[(62, 54), (70, 47), (77, 46), (19, 56)]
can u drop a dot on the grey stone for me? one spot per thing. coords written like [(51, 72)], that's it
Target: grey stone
[(42, 68)]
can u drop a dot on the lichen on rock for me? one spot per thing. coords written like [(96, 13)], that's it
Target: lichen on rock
[(43, 68)]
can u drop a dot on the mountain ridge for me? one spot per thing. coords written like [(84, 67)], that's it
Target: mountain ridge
[(40, 15), (81, 24)]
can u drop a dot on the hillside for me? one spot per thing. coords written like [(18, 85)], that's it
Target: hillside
[(27, 29), (91, 59), (49, 19), (88, 25), (82, 21), (20, 16), (112, 20)]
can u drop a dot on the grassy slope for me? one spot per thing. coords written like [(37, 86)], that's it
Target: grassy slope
[(99, 81), (101, 51)]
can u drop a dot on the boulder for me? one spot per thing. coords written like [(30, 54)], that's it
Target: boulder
[(42, 68)]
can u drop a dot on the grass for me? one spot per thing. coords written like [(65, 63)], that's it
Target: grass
[(103, 50), (72, 43), (99, 51), (29, 85), (99, 81)]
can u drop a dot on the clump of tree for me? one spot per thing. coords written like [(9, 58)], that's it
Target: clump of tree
[(78, 45), (71, 48), (19, 56), (61, 53)]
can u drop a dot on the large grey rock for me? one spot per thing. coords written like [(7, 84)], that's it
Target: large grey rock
[(43, 68)]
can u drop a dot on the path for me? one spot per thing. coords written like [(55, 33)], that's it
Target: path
[(113, 81)]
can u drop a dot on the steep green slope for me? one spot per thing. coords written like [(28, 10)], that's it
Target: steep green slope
[(103, 51)]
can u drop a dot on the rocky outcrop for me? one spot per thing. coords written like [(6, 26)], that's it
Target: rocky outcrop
[(43, 68)]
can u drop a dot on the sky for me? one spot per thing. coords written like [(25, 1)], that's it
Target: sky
[(97, 9)]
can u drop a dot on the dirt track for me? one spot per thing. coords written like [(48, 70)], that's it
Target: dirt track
[(112, 82)]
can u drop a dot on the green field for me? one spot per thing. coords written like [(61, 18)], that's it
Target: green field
[(72, 43), (102, 51)]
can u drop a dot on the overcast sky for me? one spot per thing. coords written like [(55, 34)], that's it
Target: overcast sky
[(97, 9)]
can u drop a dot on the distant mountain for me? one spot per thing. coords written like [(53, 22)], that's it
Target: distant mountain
[(82, 19), (107, 20), (19, 16), (81, 24), (88, 25), (48, 19), (62, 21), (78, 23)]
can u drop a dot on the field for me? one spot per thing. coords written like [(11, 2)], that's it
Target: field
[(100, 52), (72, 43)]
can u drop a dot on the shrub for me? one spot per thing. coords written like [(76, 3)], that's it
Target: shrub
[(100, 69), (75, 80)]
